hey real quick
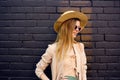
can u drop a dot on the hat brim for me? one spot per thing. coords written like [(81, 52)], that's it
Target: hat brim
[(74, 14)]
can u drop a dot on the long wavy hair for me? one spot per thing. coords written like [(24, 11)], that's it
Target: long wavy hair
[(65, 38)]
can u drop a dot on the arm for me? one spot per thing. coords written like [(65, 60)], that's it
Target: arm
[(43, 63)]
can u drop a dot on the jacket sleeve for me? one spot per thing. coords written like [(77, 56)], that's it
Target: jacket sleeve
[(43, 63), (84, 67)]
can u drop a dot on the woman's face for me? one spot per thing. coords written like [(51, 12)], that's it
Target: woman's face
[(77, 29)]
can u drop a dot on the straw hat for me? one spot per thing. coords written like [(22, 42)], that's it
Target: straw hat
[(68, 15)]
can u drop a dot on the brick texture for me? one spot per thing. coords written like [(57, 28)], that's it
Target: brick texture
[(26, 29)]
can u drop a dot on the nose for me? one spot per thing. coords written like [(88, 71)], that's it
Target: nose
[(77, 29)]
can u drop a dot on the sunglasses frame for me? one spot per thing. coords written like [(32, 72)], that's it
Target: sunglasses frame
[(77, 27)]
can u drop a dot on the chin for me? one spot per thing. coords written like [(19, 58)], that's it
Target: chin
[(74, 35)]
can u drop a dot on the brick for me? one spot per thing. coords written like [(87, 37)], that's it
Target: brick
[(22, 73), (113, 23), (110, 17), (30, 59), (80, 3), (95, 66), (4, 37), (113, 66), (24, 51), (112, 78), (24, 23), (89, 23), (5, 73), (13, 37), (37, 16), (38, 52), (3, 51), (57, 3), (21, 9), (99, 23), (54, 16), (12, 16), (46, 37), (113, 31), (10, 58), (92, 73), (91, 17), (3, 78), (89, 30), (10, 44), (107, 59), (4, 66), (38, 30), (35, 44), (63, 9), (92, 38), (103, 3), (92, 10), (9, 3), (112, 38), (16, 3), (44, 23), (108, 45), (39, 9), (117, 3), (102, 73), (21, 66), (113, 52), (51, 9), (111, 10), (95, 78), (95, 52), (4, 9), (22, 78), (20, 51), (110, 73), (90, 59), (89, 44), (12, 30), (6, 23), (33, 3)]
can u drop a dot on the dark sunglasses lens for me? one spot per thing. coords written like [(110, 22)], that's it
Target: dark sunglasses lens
[(75, 27), (79, 29)]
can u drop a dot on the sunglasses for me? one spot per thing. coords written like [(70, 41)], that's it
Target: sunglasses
[(77, 28)]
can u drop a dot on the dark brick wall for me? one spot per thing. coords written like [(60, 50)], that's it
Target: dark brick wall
[(26, 28)]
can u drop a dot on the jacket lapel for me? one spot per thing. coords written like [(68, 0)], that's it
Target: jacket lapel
[(78, 60)]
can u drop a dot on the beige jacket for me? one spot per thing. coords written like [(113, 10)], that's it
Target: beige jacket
[(49, 58)]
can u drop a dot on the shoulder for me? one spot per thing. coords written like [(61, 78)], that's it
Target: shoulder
[(80, 44), (52, 47)]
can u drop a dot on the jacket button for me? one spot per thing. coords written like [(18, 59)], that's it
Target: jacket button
[(61, 77)]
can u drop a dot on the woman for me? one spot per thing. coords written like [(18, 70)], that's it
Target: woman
[(66, 56)]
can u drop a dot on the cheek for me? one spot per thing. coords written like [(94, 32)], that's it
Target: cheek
[(74, 33)]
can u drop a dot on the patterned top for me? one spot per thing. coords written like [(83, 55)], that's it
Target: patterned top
[(69, 64)]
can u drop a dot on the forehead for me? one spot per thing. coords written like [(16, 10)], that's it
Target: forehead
[(77, 23)]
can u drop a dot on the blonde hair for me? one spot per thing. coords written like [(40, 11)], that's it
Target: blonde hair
[(64, 38)]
